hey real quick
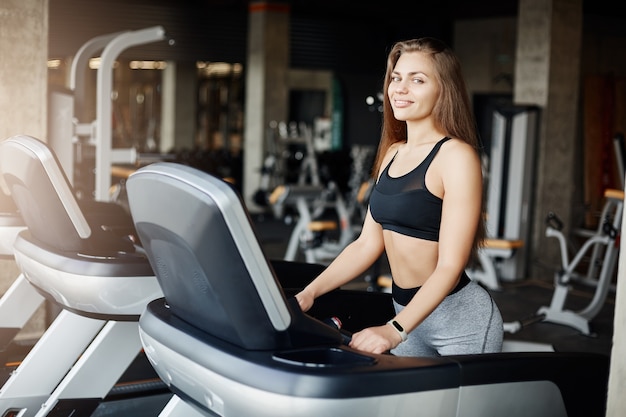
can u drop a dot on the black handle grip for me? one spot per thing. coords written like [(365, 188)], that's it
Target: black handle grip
[(335, 322), (553, 221)]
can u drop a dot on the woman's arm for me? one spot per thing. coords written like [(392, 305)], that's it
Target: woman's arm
[(353, 260)]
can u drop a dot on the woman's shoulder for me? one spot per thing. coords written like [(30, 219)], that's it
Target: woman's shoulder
[(457, 152), (456, 146)]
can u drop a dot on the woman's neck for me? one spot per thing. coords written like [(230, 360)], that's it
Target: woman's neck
[(421, 132)]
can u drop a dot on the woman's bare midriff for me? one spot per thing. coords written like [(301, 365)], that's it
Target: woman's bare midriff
[(411, 260)]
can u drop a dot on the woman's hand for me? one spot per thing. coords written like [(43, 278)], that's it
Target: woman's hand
[(379, 339), (305, 300)]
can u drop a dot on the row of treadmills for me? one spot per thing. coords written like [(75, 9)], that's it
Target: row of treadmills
[(185, 282)]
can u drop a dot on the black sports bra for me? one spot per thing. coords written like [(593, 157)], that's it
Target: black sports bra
[(404, 204)]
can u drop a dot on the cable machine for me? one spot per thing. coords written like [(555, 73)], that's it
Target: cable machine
[(510, 182)]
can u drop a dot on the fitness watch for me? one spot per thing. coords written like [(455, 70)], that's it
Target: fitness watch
[(399, 329)]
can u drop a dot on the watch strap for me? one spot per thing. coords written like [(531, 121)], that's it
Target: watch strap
[(398, 327)]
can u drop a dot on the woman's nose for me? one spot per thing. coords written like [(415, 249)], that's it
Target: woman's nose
[(401, 87)]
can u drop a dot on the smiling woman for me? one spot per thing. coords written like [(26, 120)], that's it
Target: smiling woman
[(425, 214)]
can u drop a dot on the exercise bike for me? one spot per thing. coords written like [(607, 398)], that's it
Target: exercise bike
[(604, 248)]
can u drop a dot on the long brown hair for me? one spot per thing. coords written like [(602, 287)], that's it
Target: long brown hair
[(452, 112)]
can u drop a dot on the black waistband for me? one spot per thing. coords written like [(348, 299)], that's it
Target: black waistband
[(403, 296)]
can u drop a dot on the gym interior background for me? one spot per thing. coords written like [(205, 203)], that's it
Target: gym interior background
[(574, 72), (210, 112)]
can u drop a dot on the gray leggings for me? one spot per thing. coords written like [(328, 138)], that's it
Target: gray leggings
[(467, 322)]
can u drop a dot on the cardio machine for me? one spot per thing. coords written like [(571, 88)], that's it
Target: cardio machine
[(228, 339), (20, 301), (80, 257), (602, 249)]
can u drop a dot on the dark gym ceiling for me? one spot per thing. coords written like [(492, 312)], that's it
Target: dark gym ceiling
[(217, 29)]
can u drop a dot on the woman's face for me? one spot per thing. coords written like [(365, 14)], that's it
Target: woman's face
[(413, 89)]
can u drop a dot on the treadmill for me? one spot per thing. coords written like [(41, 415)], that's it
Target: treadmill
[(229, 339), (79, 256)]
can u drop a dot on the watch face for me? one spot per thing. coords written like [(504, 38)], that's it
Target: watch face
[(397, 325)]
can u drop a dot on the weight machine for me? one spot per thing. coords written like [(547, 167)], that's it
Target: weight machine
[(93, 139), (309, 234), (283, 141), (314, 227)]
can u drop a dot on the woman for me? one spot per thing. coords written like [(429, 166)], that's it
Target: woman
[(425, 213)]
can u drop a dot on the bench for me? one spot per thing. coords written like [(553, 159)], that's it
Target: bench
[(493, 250)]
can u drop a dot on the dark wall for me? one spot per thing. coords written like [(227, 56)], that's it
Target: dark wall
[(363, 122)]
